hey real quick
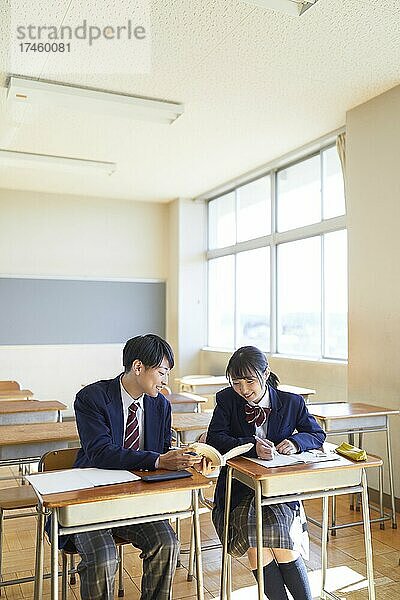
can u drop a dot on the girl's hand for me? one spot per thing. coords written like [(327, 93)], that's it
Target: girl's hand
[(205, 466), (265, 449), (286, 447)]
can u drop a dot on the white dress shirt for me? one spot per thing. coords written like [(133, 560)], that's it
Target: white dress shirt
[(265, 402), (127, 400)]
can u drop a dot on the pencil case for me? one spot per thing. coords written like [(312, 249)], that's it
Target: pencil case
[(351, 452)]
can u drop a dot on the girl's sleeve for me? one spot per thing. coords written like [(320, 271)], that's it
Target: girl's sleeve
[(220, 433)]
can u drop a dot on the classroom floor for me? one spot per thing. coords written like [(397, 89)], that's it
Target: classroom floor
[(346, 561)]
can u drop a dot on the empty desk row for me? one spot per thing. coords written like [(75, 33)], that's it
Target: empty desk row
[(13, 412), (27, 443), (11, 390), (211, 384)]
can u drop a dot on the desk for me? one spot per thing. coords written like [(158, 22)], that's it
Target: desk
[(357, 418), (114, 506), (15, 395), (185, 422), (276, 485), (186, 402), (211, 384), (27, 443), (30, 411)]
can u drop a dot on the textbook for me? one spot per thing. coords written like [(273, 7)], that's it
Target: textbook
[(217, 459)]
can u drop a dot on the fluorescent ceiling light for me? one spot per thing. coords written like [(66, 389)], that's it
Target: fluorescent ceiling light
[(291, 7), (61, 163), (47, 93)]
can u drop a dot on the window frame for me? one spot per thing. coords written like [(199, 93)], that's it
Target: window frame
[(274, 239)]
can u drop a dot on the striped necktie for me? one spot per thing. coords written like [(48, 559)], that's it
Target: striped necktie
[(256, 414), (132, 428)]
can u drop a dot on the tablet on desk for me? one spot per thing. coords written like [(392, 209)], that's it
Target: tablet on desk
[(153, 477)]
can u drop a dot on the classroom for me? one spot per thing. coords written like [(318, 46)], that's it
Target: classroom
[(222, 174)]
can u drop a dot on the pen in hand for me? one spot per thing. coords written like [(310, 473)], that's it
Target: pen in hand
[(268, 444)]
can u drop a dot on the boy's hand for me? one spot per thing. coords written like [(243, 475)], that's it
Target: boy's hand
[(175, 460)]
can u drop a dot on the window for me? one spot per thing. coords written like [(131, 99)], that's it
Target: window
[(253, 298), (299, 297), (277, 261)]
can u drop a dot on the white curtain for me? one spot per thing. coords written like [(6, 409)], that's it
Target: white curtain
[(341, 149)]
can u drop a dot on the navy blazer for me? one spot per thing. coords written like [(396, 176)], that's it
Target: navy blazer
[(100, 421), (288, 419)]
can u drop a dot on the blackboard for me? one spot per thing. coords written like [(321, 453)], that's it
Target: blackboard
[(73, 311)]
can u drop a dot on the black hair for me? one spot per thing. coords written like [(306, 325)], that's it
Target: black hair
[(150, 349), (247, 362)]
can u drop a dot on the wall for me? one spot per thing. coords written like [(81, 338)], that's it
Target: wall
[(186, 289), (70, 236), (373, 189)]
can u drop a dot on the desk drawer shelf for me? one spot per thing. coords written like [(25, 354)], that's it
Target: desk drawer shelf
[(123, 508), (320, 480)]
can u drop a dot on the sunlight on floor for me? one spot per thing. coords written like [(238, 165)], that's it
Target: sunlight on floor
[(337, 578)]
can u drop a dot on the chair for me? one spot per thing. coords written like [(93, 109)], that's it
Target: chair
[(65, 459), (11, 499)]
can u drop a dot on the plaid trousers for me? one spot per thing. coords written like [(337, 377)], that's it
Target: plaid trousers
[(99, 559)]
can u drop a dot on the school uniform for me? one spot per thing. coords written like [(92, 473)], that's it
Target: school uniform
[(284, 525), (101, 414)]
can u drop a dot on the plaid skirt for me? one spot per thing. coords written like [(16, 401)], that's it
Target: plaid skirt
[(283, 527)]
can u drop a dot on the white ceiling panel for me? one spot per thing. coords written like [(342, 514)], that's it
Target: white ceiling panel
[(255, 84)]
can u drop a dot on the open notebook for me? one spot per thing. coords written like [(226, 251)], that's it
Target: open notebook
[(77, 479), (283, 460)]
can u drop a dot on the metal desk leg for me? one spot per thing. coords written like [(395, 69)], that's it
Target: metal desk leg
[(390, 468), (367, 538), (259, 537), (191, 556), (381, 511), (177, 521), (351, 441), (178, 535), (324, 541), (229, 577), (38, 588), (333, 531), (225, 592), (358, 499), (54, 555), (197, 541)]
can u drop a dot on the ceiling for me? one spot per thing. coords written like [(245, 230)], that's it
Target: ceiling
[(255, 84)]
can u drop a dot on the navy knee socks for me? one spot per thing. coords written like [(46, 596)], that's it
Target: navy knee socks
[(292, 574), (274, 587), (296, 579)]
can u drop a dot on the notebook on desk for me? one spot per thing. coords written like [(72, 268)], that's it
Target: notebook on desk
[(77, 479), (284, 460)]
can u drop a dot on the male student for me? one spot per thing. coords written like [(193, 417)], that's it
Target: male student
[(125, 423)]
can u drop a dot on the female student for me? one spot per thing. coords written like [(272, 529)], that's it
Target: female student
[(254, 410)]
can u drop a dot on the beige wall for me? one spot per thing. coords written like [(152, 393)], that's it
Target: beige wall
[(186, 314), (70, 236), (373, 190)]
